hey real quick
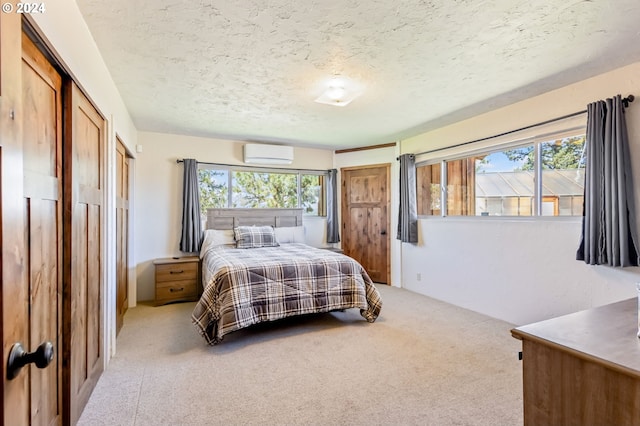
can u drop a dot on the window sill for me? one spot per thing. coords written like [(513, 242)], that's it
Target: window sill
[(569, 219)]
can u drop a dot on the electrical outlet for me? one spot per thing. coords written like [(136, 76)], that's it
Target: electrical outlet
[(419, 276)]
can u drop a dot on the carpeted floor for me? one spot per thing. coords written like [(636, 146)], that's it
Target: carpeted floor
[(423, 362)]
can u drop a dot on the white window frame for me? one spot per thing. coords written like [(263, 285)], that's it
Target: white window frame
[(298, 172), (488, 149)]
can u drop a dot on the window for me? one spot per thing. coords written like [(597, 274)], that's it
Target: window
[(563, 166), (312, 195), (214, 188), (428, 191), (503, 183), (461, 186), (264, 190), (255, 188)]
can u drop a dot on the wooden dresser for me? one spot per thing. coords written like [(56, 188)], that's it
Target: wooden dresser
[(177, 279), (583, 368)]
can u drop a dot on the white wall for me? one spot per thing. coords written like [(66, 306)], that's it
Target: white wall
[(385, 155), (65, 33), (520, 270), (158, 189)]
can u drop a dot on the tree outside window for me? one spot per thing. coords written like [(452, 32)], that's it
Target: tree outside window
[(214, 189), (260, 189)]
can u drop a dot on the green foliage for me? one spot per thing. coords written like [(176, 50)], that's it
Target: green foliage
[(520, 154), (264, 190), (564, 153), (260, 190), (310, 193), (213, 192)]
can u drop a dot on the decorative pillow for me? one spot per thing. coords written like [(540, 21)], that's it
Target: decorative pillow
[(290, 234), (255, 236), (216, 237)]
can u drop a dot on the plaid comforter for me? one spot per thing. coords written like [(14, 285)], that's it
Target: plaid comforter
[(248, 286)]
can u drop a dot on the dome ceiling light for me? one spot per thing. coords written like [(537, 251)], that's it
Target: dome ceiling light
[(339, 91)]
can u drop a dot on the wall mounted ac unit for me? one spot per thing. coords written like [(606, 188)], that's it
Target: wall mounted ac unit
[(255, 153)]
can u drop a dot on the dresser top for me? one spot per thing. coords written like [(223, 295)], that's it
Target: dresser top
[(606, 334), (171, 260)]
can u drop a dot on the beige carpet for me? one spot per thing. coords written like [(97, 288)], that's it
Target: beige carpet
[(423, 362)]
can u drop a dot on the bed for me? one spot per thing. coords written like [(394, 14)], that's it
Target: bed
[(256, 268)]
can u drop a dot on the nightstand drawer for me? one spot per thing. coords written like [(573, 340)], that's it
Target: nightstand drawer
[(176, 290), (177, 279), (177, 272)]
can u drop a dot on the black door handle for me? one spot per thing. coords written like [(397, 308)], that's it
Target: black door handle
[(18, 358), (383, 232)]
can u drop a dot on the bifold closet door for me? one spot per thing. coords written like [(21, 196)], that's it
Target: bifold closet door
[(14, 309), (84, 158), (51, 236), (42, 148), (31, 231), (122, 233)]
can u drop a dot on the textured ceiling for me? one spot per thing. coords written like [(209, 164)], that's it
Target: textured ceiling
[(250, 70)]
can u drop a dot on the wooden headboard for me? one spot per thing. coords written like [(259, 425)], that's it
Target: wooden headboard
[(230, 218)]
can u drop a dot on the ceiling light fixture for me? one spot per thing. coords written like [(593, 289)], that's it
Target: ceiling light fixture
[(339, 91)]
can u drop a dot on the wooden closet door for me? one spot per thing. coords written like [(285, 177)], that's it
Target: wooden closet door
[(122, 233), (42, 148), (30, 159), (83, 248), (14, 296)]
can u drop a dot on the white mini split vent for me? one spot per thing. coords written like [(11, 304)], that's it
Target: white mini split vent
[(255, 153)]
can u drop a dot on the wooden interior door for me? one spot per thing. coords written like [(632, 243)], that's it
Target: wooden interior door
[(365, 221), (122, 233), (83, 253)]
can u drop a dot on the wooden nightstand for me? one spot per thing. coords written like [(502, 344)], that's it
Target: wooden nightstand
[(177, 279)]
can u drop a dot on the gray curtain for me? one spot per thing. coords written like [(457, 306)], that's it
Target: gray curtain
[(191, 224), (609, 232), (408, 211), (333, 227)]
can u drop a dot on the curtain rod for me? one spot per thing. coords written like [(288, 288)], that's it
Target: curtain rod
[(178, 161), (625, 102)]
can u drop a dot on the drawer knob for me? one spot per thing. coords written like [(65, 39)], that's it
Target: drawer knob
[(174, 290), (176, 272)]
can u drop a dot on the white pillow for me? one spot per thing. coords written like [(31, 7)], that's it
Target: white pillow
[(216, 237), (290, 234)]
